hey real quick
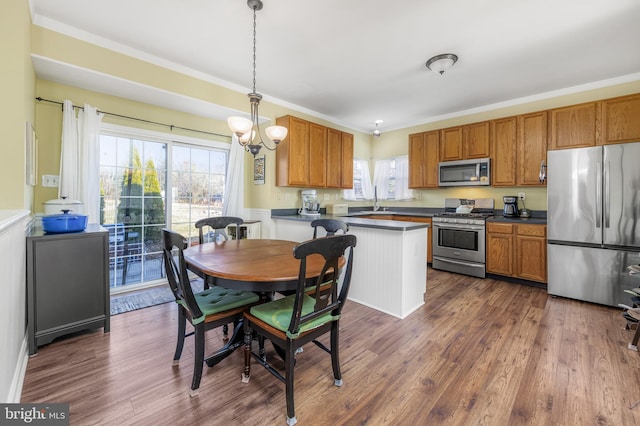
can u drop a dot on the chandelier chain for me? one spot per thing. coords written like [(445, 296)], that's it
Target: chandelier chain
[(254, 49)]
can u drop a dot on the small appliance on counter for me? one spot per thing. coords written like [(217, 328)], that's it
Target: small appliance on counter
[(310, 203), (510, 206), (337, 209)]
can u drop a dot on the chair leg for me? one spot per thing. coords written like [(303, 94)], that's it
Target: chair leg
[(182, 323), (199, 360), (289, 363), (246, 374), (335, 355), (634, 343)]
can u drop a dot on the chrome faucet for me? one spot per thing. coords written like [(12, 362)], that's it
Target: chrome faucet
[(376, 205)]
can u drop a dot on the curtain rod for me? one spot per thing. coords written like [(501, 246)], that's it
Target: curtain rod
[(170, 126)]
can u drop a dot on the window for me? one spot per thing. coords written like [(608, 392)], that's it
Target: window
[(391, 179), (361, 182), (146, 183)]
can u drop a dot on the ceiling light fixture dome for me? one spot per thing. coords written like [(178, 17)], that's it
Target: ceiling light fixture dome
[(440, 63), (376, 132), (248, 130)]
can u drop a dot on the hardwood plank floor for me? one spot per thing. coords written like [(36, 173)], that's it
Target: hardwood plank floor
[(480, 351)]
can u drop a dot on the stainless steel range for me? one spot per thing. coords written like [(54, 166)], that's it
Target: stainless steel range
[(459, 236)]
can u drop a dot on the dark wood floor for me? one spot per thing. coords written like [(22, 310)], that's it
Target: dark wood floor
[(479, 351)]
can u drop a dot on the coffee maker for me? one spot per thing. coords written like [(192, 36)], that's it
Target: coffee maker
[(510, 206), (310, 203)]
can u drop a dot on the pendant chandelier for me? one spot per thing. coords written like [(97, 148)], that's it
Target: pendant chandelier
[(248, 131)]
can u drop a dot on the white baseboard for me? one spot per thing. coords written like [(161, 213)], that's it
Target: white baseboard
[(15, 390)]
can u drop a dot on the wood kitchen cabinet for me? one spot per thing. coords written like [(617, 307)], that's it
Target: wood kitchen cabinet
[(517, 250), (423, 159), (475, 140), (451, 144), (292, 154), (314, 156), (346, 171), (504, 138), (463, 142), (621, 119), (574, 126), (317, 155), (531, 252), (67, 283), (531, 149), (499, 249)]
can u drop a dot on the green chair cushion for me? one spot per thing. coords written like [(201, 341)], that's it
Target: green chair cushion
[(219, 299), (278, 314)]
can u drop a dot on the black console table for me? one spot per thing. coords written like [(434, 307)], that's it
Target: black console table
[(67, 283)]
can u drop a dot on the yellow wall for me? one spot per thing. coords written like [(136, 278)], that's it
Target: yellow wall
[(16, 109), (66, 49)]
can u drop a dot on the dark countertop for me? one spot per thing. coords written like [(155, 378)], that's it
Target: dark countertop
[(391, 225), (535, 219), (538, 217)]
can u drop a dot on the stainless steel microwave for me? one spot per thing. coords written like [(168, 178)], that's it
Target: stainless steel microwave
[(474, 172)]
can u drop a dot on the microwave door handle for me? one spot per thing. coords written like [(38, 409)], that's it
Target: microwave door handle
[(598, 194), (478, 171), (607, 196)]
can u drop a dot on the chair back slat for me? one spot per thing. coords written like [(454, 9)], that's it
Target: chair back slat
[(331, 226), (331, 248), (218, 224), (177, 274)]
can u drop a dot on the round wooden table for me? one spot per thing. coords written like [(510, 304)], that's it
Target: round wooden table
[(263, 266)]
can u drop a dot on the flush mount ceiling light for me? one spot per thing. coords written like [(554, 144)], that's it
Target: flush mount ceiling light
[(440, 63), (376, 132), (248, 131)]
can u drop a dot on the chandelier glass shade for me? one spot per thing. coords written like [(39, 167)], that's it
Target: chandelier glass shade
[(248, 130)]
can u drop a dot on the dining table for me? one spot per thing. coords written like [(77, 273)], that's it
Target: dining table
[(264, 266)]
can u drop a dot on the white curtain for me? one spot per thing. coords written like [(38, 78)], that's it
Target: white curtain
[(381, 173), (80, 158), (234, 185), (402, 179), (365, 181)]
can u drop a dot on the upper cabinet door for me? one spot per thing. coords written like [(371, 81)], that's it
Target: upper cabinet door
[(347, 160), (416, 160), (334, 158), (317, 155), (451, 144), (621, 119), (292, 156), (576, 126), (504, 137), (476, 140), (531, 149)]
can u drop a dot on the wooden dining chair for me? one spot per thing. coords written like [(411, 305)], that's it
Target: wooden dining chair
[(218, 224), (206, 310), (299, 318), (331, 226)]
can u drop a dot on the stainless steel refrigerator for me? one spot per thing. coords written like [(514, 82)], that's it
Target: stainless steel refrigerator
[(593, 222)]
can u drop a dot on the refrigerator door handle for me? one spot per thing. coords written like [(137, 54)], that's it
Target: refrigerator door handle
[(598, 194), (606, 204)]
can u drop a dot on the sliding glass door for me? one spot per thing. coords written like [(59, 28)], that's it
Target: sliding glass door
[(146, 184)]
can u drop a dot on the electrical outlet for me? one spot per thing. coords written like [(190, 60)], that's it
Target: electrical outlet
[(521, 196), (50, 181), (327, 197)]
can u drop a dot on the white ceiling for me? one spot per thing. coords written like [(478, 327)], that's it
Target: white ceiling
[(357, 61)]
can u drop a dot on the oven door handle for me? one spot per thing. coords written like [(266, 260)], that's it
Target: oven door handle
[(463, 227), (457, 262)]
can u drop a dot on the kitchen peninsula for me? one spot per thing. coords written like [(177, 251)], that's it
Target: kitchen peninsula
[(389, 267)]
